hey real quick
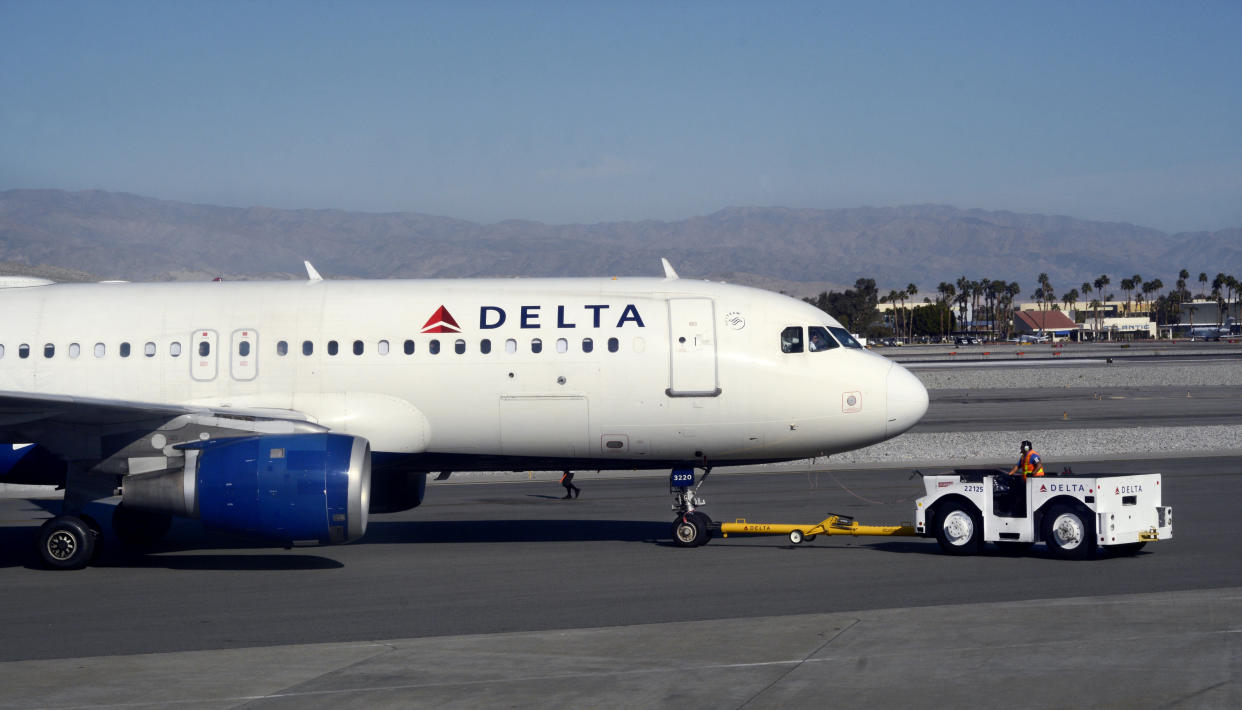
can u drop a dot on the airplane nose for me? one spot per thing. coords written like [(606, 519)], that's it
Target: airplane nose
[(907, 400)]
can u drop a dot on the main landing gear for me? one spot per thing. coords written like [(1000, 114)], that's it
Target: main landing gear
[(69, 541), (692, 527)]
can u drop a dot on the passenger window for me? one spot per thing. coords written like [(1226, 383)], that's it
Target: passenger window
[(74, 350), (100, 349), (49, 350), (536, 345), (282, 348), (511, 346), (485, 346), (124, 349), (308, 348), (409, 347), (382, 347), (333, 347), (434, 347), (1, 351), (243, 348), (358, 347), (459, 347), (23, 351), (791, 339), (149, 349), (818, 339), (587, 345), (562, 345), (174, 348), (613, 345), (204, 348)]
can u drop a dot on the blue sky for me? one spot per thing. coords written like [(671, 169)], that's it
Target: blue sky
[(587, 112)]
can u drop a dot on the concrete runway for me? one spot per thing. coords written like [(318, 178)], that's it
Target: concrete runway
[(501, 594)]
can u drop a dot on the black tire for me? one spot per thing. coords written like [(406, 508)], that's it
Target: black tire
[(66, 542), (1127, 550), (1011, 547), (97, 529), (139, 529), (1069, 532), (959, 529), (689, 530), (706, 522)]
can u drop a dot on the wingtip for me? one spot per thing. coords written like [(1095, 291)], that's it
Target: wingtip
[(669, 271), (311, 273)]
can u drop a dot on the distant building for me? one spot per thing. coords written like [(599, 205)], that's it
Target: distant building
[(1207, 312), (1052, 323)]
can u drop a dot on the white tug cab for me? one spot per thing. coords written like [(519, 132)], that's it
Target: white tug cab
[(1073, 514)]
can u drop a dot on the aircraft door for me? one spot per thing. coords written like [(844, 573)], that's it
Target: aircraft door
[(203, 355), (244, 355), (692, 345)]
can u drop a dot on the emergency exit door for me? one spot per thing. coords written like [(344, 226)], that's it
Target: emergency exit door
[(692, 345)]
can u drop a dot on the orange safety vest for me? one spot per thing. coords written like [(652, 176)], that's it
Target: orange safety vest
[(1027, 468)]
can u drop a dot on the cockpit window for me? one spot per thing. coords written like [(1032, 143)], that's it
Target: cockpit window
[(818, 339), (845, 338), (791, 339)]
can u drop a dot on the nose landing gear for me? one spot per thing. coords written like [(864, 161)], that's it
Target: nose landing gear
[(692, 527)]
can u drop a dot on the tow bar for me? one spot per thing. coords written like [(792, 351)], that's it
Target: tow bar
[(832, 525)]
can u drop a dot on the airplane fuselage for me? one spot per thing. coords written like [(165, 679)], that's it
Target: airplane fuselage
[(499, 373)]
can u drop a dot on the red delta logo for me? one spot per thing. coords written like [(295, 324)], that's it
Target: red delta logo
[(1043, 489), (441, 322)]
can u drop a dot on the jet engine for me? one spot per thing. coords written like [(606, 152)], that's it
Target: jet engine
[(290, 487)]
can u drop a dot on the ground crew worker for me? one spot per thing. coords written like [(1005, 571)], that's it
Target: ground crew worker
[(1028, 463), (571, 491)]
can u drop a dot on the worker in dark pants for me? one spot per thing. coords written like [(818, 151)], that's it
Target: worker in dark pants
[(571, 491)]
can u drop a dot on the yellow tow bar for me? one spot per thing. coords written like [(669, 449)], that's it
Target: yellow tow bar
[(832, 525)]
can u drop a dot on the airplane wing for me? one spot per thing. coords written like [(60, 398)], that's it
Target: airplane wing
[(89, 431), (25, 411)]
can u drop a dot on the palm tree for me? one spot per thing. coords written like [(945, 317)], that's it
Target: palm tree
[(963, 297), (1203, 280), (911, 291), (1100, 283), (947, 292), (1011, 292), (1127, 285), (1070, 299)]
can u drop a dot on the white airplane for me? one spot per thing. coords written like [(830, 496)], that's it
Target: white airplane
[(290, 410), (1211, 332)]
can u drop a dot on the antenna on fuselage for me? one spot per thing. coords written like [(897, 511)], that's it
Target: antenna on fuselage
[(669, 271), (311, 274)]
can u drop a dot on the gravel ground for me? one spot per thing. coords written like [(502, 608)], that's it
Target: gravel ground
[(1120, 374)]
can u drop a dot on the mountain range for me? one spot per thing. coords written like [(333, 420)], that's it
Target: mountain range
[(96, 234)]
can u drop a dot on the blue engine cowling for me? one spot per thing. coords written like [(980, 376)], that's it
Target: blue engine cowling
[(287, 487)]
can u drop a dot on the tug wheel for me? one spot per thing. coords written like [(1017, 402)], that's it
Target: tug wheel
[(1068, 532), (959, 529)]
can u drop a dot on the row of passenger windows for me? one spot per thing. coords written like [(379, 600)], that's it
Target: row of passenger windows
[(308, 348), (817, 339), (433, 346), (100, 350)]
